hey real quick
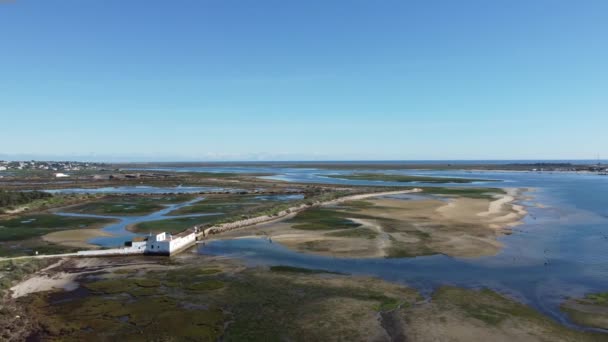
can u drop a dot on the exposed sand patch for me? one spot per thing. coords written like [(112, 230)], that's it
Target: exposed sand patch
[(64, 273), (45, 280), (463, 227), (75, 237)]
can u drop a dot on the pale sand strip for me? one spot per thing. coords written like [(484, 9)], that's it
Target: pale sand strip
[(45, 281)]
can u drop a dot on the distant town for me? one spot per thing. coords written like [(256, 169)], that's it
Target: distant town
[(48, 165), (61, 167)]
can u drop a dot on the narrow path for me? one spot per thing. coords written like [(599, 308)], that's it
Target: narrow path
[(383, 240)]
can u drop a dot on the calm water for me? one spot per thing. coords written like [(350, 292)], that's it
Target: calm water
[(561, 250), (119, 231), (120, 234)]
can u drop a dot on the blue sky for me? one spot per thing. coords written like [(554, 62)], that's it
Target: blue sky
[(314, 79)]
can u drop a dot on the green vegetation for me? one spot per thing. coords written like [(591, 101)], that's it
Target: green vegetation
[(322, 219), (128, 205), (387, 303), (27, 247), (598, 298), (293, 269), (30, 226), (173, 226), (113, 208), (153, 317), (16, 198), (223, 204), (13, 271), (399, 249), (208, 271), (405, 178), (485, 305), (590, 311), (190, 303), (205, 285), (480, 193), (22, 235), (234, 207), (362, 233)]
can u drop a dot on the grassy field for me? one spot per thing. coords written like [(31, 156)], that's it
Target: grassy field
[(404, 178)]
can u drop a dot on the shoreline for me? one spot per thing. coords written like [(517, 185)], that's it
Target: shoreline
[(291, 211), (477, 225)]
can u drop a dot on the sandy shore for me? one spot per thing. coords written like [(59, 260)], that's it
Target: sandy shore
[(63, 274), (45, 280), (460, 226)]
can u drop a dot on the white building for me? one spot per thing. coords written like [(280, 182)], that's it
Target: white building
[(2, 168), (159, 244), (61, 175), (167, 244)]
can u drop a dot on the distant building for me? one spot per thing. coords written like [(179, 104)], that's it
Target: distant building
[(167, 244), (61, 175), (163, 243), (2, 168)]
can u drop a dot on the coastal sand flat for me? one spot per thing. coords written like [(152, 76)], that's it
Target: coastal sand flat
[(456, 226)]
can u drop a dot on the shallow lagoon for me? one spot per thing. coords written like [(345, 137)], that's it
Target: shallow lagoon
[(560, 251), (119, 231)]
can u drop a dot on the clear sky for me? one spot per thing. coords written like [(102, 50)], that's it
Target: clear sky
[(311, 79)]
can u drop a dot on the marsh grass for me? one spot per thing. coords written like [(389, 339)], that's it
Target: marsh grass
[(494, 309), (29, 226), (597, 298), (293, 269), (323, 219), (173, 226), (129, 205), (362, 233)]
